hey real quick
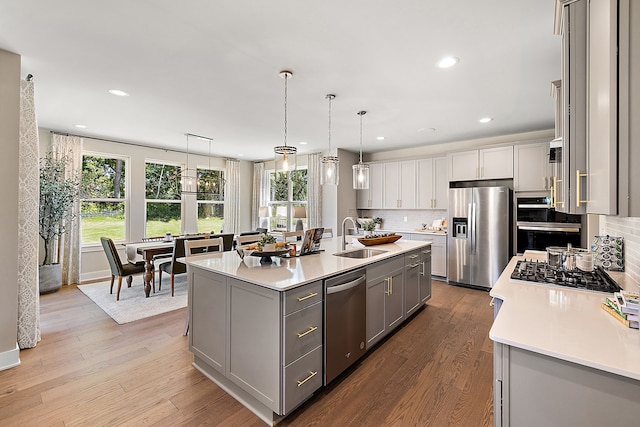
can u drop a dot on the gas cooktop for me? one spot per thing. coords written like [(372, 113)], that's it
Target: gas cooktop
[(541, 272)]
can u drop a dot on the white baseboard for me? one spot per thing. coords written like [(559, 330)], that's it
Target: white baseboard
[(10, 359)]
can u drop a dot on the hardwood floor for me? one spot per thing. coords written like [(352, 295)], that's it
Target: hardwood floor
[(90, 371)]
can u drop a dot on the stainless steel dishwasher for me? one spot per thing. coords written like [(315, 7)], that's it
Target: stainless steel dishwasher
[(345, 314)]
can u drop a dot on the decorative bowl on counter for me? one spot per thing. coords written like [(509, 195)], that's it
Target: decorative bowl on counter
[(379, 239)]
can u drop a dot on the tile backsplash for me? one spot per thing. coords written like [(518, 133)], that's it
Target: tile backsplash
[(395, 219), (629, 229)]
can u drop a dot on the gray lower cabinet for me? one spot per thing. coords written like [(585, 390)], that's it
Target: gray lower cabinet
[(412, 276), (385, 300), (262, 345), (531, 389), (425, 275)]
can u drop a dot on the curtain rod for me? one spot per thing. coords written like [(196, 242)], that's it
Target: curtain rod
[(132, 143)]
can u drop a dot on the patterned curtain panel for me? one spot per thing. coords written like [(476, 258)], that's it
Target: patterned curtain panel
[(232, 197), (28, 237), (314, 191), (257, 196), (68, 145)]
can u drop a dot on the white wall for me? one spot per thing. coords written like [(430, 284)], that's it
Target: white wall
[(9, 161), (93, 262), (629, 229)]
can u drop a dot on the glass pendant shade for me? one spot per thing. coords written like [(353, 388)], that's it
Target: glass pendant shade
[(360, 176), (361, 170), (329, 170)]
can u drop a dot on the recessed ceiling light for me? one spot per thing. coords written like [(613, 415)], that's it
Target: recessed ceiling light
[(485, 120), (118, 92), (448, 61), (427, 129), (303, 142), (81, 126), (240, 155), (380, 138)]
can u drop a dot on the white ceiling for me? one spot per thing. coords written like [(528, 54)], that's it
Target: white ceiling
[(212, 68)]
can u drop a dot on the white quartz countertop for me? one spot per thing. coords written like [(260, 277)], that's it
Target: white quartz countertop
[(565, 323), (288, 273), (416, 231)]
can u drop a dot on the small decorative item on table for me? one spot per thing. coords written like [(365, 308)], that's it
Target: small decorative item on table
[(268, 247)]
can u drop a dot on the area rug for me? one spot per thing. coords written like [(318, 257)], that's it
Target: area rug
[(133, 305)]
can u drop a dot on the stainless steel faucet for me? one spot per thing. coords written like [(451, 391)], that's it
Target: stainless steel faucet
[(344, 231)]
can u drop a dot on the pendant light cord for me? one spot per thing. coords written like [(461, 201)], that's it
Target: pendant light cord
[(361, 113), (286, 77)]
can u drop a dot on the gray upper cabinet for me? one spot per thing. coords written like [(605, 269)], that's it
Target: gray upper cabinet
[(573, 29)]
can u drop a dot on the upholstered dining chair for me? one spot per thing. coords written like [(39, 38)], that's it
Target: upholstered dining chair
[(174, 266), (118, 268)]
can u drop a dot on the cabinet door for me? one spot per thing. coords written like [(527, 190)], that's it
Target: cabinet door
[(391, 194), (376, 180), (407, 184), (601, 176), (440, 183), (463, 166), (425, 185), (363, 199), (531, 169), (496, 163), (394, 301), (425, 279), (413, 265), (376, 292), (439, 256)]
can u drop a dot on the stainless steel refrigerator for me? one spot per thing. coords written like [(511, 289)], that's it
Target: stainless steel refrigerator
[(478, 238)]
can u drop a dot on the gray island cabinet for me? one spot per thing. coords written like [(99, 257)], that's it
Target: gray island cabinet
[(256, 329)]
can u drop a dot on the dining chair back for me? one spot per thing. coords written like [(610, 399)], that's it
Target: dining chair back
[(227, 238), (292, 235), (248, 239), (174, 266), (203, 247), (117, 267)]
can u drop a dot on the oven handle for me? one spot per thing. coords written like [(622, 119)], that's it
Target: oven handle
[(542, 206), (346, 286), (564, 229)]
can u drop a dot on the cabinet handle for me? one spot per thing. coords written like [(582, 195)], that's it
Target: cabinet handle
[(413, 256), (388, 291), (311, 375), (311, 295), (492, 302), (311, 329), (481, 172), (477, 172), (578, 176), (415, 265), (555, 200), (424, 267), (545, 183)]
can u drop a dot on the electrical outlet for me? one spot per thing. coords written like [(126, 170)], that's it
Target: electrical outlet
[(405, 219)]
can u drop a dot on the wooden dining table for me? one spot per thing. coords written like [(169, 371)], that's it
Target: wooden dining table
[(149, 251)]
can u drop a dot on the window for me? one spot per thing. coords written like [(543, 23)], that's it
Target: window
[(163, 201), (102, 212), (210, 198), (286, 190)]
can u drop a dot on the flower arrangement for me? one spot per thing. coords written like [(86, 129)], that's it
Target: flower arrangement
[(266, 239), (369, 225)]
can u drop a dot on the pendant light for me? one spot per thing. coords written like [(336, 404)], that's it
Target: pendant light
[(329, 164), (202, 183), (361, 170), (285, 150)]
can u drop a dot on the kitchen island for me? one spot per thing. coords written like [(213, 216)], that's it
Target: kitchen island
[(559, 359), (256, 329)]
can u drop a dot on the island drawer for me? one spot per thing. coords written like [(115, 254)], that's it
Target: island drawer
[(382, 268), (301, 379), (304, 296), (302, 332)]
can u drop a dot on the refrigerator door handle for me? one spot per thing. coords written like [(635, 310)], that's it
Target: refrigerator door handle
[(472, 218)]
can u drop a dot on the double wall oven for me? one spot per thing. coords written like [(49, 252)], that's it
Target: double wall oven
[(539, 226)]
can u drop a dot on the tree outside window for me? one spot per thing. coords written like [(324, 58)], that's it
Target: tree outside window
[(102, 212), (163, 199), (286, 190), (210, 201)]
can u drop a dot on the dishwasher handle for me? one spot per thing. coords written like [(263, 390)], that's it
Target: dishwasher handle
[(346, 286)]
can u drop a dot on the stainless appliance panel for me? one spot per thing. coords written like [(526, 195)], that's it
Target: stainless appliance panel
[(478, 241), (345, 329)]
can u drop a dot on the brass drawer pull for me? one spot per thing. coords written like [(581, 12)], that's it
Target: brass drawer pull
[(415, 265), (413, 256), (311, 295), (311, 375), (311, 329)]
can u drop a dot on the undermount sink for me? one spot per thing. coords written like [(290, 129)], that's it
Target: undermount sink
[(360, 253)]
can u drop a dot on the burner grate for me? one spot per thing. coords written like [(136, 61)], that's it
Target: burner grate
[(541, 272)]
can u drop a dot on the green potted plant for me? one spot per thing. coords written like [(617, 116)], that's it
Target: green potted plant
[(369, 226), (378, 222), (57, 195)]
